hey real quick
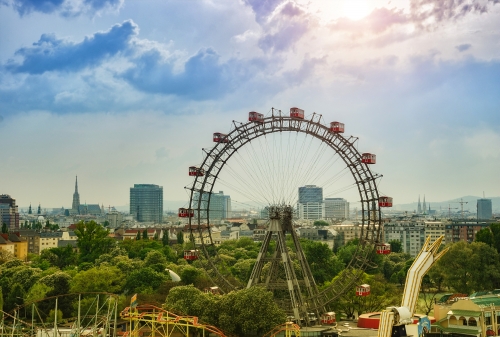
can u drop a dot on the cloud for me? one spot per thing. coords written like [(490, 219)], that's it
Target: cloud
[(427, 13), (64, 7), (263, 8), (463, 47), (52, 54), (204, 76), (483, 143), (287, 26)]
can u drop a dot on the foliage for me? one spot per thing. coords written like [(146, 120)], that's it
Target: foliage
[(470, 267), (93, 240), (165, 239), (144, 279), (60, 257), (235, 309), (180, 238), (321, 223), (485, 235), (382, 294), (323, 263), (15, 297), (145, 234), (105, 278), (5, 256), (52, 316), (396, 246), (5, 229)]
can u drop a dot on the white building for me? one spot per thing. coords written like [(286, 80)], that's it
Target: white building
[(411, 235)]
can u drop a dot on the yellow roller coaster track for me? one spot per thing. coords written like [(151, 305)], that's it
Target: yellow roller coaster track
[(291, 330), (148, 320)]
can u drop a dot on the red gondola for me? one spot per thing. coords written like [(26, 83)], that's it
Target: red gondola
[(196, 171), (296, 113), (363, 290), (385, 201), (368, 158), (191, 255), (186, 212), (383, 248), (337, 127), (220, 138), (328, 318), (255, 117)]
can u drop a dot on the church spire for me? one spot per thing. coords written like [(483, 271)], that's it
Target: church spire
[(76, 197), (419, 207), (424, 207)]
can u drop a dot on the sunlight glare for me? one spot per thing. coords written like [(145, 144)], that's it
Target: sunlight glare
[(355, 9)]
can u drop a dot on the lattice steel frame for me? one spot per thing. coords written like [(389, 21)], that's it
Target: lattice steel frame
[(243, 133)]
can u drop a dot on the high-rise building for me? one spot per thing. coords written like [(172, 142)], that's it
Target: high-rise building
[(311, 205), (220, 205), (484, 209), (9, 213), (76, 198), (336, 208), (146, 203)]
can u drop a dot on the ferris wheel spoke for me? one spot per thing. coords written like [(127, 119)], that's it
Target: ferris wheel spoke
[(265, 162)]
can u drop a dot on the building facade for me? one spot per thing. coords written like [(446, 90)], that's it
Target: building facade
[(484, 209), (336, 208), (463, 231), (410, 234), (146, 203), (218, 204), (9, 213), (311, 205)]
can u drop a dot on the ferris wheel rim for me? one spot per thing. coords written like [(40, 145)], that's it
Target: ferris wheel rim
[(216, 158)]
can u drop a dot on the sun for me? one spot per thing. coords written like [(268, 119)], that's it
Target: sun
[(355, 9)]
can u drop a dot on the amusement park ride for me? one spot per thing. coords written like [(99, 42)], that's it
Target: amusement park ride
[(275, 269), (295, 290)]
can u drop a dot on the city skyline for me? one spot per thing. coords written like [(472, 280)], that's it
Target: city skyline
[(121, 93)]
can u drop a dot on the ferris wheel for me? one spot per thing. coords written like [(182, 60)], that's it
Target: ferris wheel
[(263, 162)]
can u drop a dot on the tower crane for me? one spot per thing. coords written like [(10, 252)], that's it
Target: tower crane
[(395, 321), (461, 202), (449, 210)]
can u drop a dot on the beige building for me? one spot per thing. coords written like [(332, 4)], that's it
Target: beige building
[(435, 229), (49, 240), (215, 234), (6, 245), (20, 246), (478, 316)]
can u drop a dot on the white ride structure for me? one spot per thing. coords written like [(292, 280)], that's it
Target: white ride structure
[(398, 321)]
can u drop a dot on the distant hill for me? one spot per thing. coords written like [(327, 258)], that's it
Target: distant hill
[(471, 205)]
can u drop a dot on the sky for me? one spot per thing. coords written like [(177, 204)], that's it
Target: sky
[(123, 92)]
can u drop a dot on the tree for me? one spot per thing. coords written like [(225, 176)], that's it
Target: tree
[(165, 239), (138, 236), (180, 238), (470, 267), (251, 311), (145, 234), (5, 229), (321, 223), (396, 246), (93, 240), (106, 278), (486, 236), (495, 229), (323, 263), (144, 280)]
